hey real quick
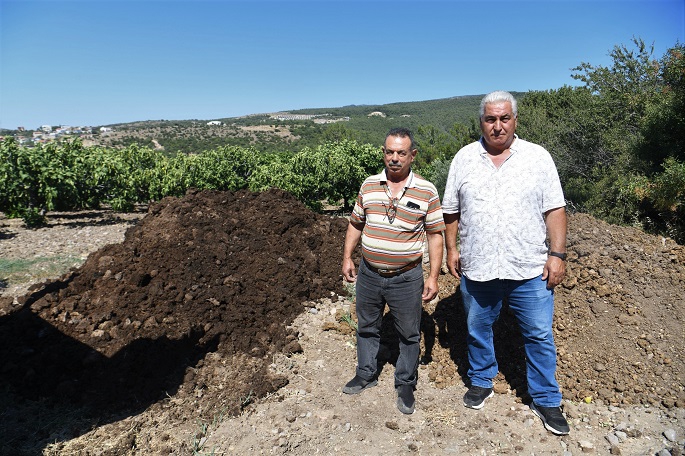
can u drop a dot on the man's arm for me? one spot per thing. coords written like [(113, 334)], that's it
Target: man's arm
[(451, 231), (555, 268), (430, 288), (352, 237)]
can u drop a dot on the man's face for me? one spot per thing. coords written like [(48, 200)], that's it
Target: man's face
[(398, 156), (498, 125)]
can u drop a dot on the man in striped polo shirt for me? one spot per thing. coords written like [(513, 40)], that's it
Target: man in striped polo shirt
[(396, 213)]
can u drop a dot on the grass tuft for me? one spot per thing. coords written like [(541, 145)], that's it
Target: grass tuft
[(33, 270)]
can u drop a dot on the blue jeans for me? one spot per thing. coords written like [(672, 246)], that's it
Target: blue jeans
[(402, 293), (533, 305)]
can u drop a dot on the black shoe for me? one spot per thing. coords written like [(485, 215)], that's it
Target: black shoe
[(476, 395), (425, 360), (405, 399), (358, 384), (552, 418)]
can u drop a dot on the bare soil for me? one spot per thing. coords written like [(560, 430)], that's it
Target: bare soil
[(216, 326)]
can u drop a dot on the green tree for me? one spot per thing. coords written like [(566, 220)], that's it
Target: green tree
[(628, 86), (570, 122), (618, 140), (663, 128)]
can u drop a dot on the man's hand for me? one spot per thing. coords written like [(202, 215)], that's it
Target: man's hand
[(555, 268), (430, 286), (454, 263), (451, 231), (430, 289), (348, 270), (554, 271), (352, 237)]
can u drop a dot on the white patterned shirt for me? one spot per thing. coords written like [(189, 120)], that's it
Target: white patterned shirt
[(502, 232)]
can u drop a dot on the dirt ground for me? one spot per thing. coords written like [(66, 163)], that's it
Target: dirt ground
[(218, 325)]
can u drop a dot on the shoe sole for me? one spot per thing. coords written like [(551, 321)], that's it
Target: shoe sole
[(547, 426), (371, 384), (403, 408), (479, 406)]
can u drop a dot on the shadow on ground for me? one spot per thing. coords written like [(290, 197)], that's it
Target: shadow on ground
[(54, 387)]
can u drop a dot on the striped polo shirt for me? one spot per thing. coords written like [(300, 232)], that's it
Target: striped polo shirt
[(391, 243)]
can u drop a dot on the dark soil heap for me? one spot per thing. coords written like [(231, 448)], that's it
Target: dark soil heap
[(210, 272)]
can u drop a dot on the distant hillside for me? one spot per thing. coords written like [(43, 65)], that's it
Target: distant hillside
[(442, 112), (285, 131), (268, 133)]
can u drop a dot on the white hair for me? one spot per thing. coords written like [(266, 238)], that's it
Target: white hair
[(496, 97)]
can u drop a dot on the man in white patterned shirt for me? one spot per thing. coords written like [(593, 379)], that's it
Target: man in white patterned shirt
[(504, 199)]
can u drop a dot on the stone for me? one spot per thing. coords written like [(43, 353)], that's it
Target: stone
[(586, 446), (612, 439), (670, 435)]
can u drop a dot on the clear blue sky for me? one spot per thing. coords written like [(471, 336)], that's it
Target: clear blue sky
[(99, 62)]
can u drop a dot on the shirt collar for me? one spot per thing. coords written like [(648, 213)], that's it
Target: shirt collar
[(513, 148), (514, 145), (410, 180)]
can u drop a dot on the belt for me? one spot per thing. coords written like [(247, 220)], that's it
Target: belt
[(394, 272)]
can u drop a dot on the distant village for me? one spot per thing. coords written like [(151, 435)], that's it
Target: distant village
[(48, 133)]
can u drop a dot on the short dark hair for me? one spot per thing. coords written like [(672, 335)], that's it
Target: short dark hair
[(402, 133)]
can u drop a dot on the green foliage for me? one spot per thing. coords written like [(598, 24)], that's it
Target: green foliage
[(69, 176), (226, 168), (609, 194), (663, 200), (571, 123), (33, 217), (663, 129), (337, 132), (436, 144), (437, 172), (627, 87), (31, 180), (331, 172), (193, 136), (655, 203), (599, 124), (618, 141), (117, 177)]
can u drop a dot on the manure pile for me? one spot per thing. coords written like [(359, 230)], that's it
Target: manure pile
[(212, 272)]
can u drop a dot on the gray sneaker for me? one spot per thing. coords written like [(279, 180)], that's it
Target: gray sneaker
[(552, 418), (476, 395), (358, 384)]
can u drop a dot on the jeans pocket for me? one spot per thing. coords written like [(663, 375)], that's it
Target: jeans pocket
[(413, 274)]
